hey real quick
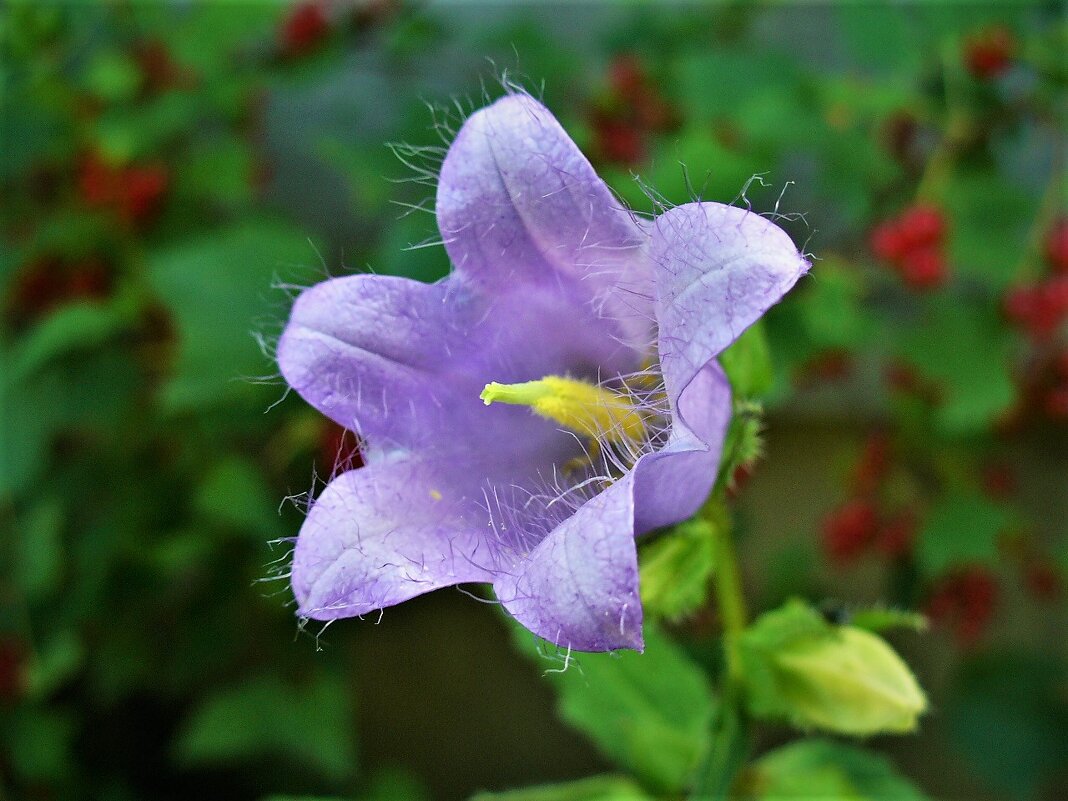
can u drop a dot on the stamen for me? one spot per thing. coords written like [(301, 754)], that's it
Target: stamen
[(584, 408)]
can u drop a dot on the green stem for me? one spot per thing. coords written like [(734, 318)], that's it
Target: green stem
[(730, 730), (727, 583)]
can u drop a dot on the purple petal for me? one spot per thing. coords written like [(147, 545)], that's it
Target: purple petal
[(403, 363), (718, 269), (579, 586), (672, 484), (386, 533), (363, 351), (518, 203)]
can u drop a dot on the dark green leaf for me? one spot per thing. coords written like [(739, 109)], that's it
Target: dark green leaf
[(598, 788), (823, 769), (963, 529), (218, 286), (748, 363), (266, 717), (649, 712)]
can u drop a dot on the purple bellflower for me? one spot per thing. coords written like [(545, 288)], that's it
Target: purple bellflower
[(526, 417)]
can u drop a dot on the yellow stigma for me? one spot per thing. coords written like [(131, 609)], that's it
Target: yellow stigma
[(584, 408)]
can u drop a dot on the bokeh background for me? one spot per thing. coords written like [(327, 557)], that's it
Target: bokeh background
[(173, 172)]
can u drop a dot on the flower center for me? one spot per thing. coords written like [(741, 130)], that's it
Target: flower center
[(582, 407)]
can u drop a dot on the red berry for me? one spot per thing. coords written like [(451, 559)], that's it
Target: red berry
[(998, 481), (626, 77), (923, 268), (141, 191), (895, 537), (1055, 402), (1019, 303), (922, 225), (964, 601), (1060, 364), (339, 449), (88, 279), (887, 241), (873, 464), (1043, 581), (1057, 246), (306, 26), (97, 181), (618, 140), (988, 53), (1039, 308), (12, 670), (848, 530)]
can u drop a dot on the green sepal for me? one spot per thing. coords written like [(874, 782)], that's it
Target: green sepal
[(675, 570)]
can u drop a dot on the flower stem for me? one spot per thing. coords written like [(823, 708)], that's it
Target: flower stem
[(730, 739), (727, 583)]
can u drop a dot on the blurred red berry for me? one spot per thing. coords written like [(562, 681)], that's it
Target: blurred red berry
[(988, 53), (887, 241), (998, 480), (626, 78), (339, 449), (12, 670), (848, 530), (1019, 304), (922, 225), (964, 602), (895, 537), (88, 279), (873, 464), (160, 72), (739, 478), (1039, 309), (1055, 402), (141, 191), (1060, 364), (923, 268), (97, 180), (1057, 246), (618, 140), (305, 27), (1043, 581)]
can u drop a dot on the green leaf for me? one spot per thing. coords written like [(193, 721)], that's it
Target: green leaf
[(597, 788), (975, 390), (675, 570), (649, 712), (991, 218), (217, 286), (831, 306), (825, 770), (71, 328), (748, 363), (38, 558), (1008, 715), (55, 661), (962, 529), (39, 743), (218, 169), (235, 494), (266, 717), (113, 76)]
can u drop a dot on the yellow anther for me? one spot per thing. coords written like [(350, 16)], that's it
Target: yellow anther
[(584, 408)]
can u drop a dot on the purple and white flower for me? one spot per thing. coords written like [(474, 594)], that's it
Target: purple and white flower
[(597, 334)]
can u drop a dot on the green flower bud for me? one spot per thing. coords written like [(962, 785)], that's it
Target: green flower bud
[(837, 678)]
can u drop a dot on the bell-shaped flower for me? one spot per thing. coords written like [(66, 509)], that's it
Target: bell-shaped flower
[(555, 396)]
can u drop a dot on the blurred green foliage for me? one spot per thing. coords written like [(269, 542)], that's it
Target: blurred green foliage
[(173, 172)]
